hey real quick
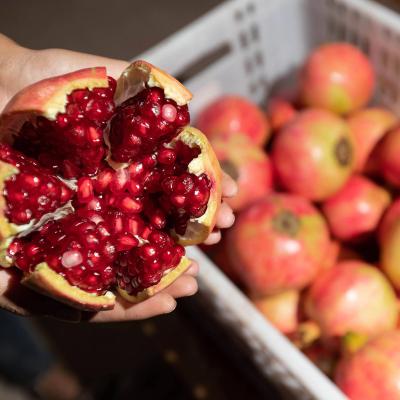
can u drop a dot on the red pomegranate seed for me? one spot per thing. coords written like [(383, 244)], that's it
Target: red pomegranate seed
[(169, 112), (71, 258), (85, 190)]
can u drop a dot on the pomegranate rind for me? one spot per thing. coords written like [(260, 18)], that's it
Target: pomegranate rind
[(165, 281), (48, 282), (139, 73), (206, 162), (47, 98)]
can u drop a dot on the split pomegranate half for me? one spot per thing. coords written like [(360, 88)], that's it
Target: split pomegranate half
[(102, 183)]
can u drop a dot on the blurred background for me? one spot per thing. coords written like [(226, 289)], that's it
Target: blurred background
[(185, 355)]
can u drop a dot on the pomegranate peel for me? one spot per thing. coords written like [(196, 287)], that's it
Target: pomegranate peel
[(168, 278), (46, 281), (140, 73), (198, 229)]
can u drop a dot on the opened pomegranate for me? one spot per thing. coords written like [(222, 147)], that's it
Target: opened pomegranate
[(103, 183)]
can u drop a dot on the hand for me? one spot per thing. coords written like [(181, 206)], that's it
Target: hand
[(20, 67)]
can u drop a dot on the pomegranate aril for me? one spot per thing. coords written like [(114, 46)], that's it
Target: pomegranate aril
[(71, 258), (103, 179), (131, 205), (119, 180), (126, 242), (169, 112), (166, 156), (85, 190)]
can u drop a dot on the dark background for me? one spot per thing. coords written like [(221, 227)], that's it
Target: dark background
[(180, 356)]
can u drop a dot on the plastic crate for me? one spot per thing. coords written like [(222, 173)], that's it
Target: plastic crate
[(248, 47)]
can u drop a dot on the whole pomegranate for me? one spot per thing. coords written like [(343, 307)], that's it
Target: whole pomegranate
[(355, 211), (102, 183), (387, 157), (278, 243), (372, 372), (280, 112), (248, 165), (352, 297), (367, 127), (338, 77), (389, 241), (280, 309), (313, 155), (229, 115)]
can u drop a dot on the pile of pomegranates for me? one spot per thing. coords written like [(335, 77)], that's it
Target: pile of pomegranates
[(103, 183), (316, 244)]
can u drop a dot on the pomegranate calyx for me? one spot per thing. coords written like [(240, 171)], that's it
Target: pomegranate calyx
[(48, 282), (168, 278)]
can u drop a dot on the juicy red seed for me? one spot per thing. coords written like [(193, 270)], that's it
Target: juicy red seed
[(126, 242), (166, 156), (119, 180), (131, 205), (103, 180), (85, 190), (169, 112)]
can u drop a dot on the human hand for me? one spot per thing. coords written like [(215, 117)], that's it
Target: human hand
[(20, 67)]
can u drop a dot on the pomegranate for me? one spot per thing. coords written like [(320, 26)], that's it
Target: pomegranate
[(229, 115), (355, 211), (367, 127), (332, 254), (392, 215), (387, 157), (280, 112), (372, 372), (278, 243), (352, 297), (103, 182), (338, 77), (248, 165), (390, 249), (280, 309), (313, 155)]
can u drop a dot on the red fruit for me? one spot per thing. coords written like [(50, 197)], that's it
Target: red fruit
[(278, 243), (338, 77), (280, 309), (248, 165), (387, 157), (280, 112), (352, 297), (313, 155), (229, 115), (389, 240), (373, 372), (332, 255), (123, 229), (367, 127), (355, 211)]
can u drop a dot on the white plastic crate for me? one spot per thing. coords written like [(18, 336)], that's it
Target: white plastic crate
[(246, 47)]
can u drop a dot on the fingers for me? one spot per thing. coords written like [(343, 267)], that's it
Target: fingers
[(229, 186), (193, 269), (225, 217), (184, 286), (213, 238), (161, 303)]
